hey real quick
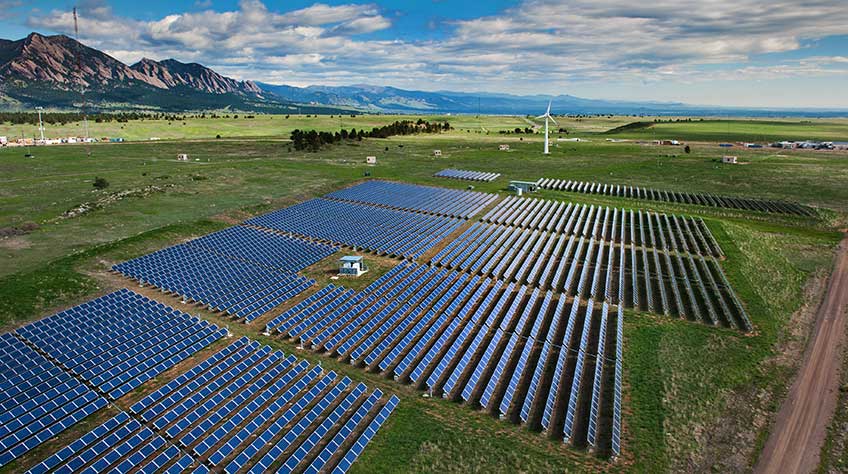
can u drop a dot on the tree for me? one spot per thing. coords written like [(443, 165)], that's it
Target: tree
[(100, 183)]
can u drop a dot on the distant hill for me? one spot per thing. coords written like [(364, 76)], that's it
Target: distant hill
[(42, 71), (393, 100)]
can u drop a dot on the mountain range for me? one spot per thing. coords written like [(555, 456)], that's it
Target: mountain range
[(53, 72)]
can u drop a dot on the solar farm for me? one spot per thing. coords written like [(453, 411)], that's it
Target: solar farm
[(580, 327)]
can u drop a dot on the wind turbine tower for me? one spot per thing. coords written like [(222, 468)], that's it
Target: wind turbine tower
[(547, 116)]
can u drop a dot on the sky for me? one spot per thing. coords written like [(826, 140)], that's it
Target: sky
[(746, 53)]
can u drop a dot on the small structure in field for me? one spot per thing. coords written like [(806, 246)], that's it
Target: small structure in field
[(182, 157), (503, 147), (437, 153), (729, 160), (371, 160), (352, 265), (522, 187)]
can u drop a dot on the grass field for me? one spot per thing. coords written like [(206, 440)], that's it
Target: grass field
[(683, 381), (267, 126), (758, 131), (279, 126)]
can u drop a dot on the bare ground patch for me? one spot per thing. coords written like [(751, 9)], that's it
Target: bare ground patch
[(15, 243)]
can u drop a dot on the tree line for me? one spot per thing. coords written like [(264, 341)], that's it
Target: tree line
[(312, 140), (62, 118)]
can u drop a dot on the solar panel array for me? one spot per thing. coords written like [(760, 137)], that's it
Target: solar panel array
[(654, 262), (467, 175), (120, 340), (241, 271), (262, 247), (38, 399), (246, 408), (481, 340), (61, 369), (701, 199), (411, 197), (362, 226), (568, 218)]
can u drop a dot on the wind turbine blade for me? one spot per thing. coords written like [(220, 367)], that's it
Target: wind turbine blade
[(549, 107), (542, 116), (552, 119)]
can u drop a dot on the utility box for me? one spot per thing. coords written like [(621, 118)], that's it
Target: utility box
[(437, 153), (352, 265), (523, 186), (729, 160), (182, 157), (371, 160)]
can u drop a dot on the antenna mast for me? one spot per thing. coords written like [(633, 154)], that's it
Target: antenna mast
[(82, 84)]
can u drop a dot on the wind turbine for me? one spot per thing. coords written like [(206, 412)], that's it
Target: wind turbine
[(546, 116)]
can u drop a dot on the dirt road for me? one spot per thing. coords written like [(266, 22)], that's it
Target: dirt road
[(797, 436)]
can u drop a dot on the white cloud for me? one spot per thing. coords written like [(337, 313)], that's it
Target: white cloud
[(539, 45)]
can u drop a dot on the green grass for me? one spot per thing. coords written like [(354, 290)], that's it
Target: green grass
[(685, 379), (727, 130), (267, 126), (682, 379)]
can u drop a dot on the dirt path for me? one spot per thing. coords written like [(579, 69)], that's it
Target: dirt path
[(796, 439)]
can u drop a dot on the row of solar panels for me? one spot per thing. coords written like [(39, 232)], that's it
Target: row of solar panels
[(412, 197), (246, 407), (120, 340), (467, 175), (626, 226), (37, 401), (481, 340), (381, 230), (701, 199), (235, 287), (266, 248), (659, 278), (61, 369)]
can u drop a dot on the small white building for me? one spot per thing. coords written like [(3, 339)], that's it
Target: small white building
[(437, 153), (371, 160), (729, 160), (182, 157), (352, 265), (4, 140), (503, 147)]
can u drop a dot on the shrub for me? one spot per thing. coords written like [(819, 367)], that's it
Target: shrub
[(100, 183)]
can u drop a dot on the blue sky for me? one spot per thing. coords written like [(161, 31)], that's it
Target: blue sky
[(713, 52)]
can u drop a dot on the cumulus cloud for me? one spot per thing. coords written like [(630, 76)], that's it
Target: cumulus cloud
[(536, 45)]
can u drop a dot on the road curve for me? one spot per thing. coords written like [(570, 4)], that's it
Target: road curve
[(796, 439)]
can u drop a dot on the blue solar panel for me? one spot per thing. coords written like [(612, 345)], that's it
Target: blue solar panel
[(378, 229), (241, 271), (443, 201)]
